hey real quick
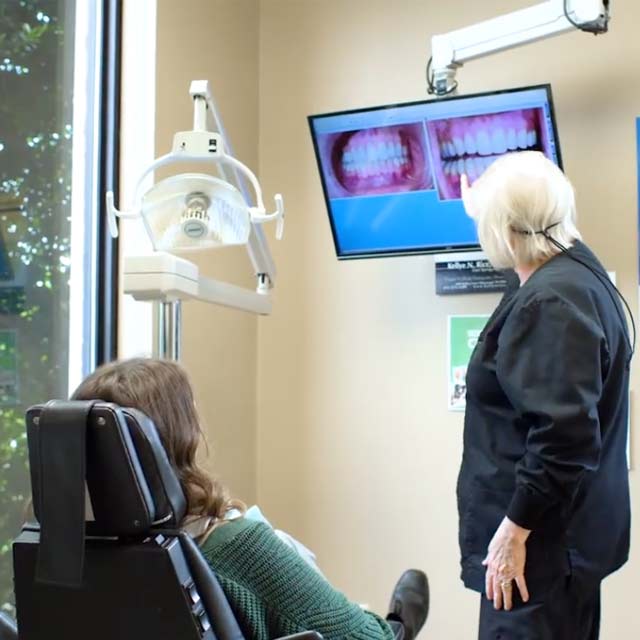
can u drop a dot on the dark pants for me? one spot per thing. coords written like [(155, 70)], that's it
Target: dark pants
[(568, 610)]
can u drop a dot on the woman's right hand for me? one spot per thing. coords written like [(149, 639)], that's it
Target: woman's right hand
[(505, 563)]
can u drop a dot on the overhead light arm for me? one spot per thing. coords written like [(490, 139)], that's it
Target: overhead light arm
[(165, 278), (258, 249)]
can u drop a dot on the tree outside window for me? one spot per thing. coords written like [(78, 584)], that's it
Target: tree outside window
[(36, 86)]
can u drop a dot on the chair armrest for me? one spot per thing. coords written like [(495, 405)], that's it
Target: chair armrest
[(219, 612), (8, 629), (305, 635)]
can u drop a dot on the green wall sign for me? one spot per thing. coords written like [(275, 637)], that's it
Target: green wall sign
[(463, 337)]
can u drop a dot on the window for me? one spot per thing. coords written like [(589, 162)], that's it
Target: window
[(58, 117)]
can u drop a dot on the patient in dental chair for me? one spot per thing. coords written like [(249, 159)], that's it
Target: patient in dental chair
[(270, 580)]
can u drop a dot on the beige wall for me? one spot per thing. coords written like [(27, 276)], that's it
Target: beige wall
[(357, 454), (217, 40)]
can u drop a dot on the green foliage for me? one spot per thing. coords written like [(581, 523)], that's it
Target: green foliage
[(36, 82)]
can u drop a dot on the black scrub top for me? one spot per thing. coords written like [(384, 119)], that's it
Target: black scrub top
[(546, 426)]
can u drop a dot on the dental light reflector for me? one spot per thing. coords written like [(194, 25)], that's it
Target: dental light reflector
[(195, 219), (195, 211)]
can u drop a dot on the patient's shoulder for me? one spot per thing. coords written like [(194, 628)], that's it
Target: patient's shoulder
[(227, 533), (241, 541), (246, 550)]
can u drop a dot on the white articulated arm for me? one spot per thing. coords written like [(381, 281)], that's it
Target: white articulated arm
[(167, 278), (551, 18), (259, 253)]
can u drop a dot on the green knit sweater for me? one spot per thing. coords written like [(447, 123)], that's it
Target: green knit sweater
[(274, 592)]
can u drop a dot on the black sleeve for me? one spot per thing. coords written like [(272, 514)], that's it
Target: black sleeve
[(550, 365)]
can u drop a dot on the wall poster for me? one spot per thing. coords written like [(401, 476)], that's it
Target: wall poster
[(463, 333)]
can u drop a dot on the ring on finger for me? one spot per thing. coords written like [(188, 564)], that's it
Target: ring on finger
[(506, 585)]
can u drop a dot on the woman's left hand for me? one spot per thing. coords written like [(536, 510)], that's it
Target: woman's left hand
[(505, 564)]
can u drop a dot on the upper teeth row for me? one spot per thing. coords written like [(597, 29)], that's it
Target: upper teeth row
[(486, 143), (374, 152)]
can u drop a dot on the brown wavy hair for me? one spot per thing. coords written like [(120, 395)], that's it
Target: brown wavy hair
[(161, 389)]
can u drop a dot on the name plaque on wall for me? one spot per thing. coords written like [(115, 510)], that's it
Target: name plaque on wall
[(462, 273)]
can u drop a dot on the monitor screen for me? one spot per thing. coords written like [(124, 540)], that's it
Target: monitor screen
[(391, 174)]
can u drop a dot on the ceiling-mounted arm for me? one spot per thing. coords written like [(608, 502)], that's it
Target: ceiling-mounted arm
[(551, 18)]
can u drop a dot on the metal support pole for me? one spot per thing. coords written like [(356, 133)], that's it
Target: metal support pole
[(169, 319), (199, 113)]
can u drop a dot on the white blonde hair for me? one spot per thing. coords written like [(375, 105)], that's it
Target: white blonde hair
[(517, 197)]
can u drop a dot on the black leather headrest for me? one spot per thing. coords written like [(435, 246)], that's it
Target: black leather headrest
[(131, 483), (168, 497)]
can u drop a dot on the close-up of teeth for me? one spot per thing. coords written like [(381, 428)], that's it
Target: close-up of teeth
[(486, 143), (470, 144), (474, 166), (379, 160), (376, 157)]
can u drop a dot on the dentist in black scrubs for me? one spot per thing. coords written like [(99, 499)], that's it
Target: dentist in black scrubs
[(543, 492)]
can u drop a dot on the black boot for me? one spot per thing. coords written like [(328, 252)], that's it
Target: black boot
[(410, 602)]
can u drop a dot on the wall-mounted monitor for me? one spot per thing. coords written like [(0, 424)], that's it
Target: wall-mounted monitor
[(391, 174)]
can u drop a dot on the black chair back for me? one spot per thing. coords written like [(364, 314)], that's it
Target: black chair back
[(128, 574)]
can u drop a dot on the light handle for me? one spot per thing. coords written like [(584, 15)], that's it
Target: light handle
[(258, 214), (112, 212)]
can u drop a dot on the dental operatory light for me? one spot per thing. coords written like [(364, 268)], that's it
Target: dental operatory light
[(554, 17), (196, 211)]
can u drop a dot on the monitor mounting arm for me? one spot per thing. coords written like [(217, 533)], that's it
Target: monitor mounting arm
[(554, 17)]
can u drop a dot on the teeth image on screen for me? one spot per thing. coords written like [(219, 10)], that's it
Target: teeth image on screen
[(471, 144), (382, 160), (385, 159)]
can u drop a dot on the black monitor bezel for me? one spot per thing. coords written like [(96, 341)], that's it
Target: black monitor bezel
[(443, 249)]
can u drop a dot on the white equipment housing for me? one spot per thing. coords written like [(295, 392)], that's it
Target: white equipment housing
[(164, 277), (451, 50)]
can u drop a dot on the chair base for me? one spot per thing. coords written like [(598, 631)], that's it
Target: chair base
[(130, 591)]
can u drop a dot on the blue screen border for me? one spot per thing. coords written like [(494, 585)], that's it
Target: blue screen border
[(386, 253)]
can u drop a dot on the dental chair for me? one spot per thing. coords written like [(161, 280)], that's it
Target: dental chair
[(129, 573)]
